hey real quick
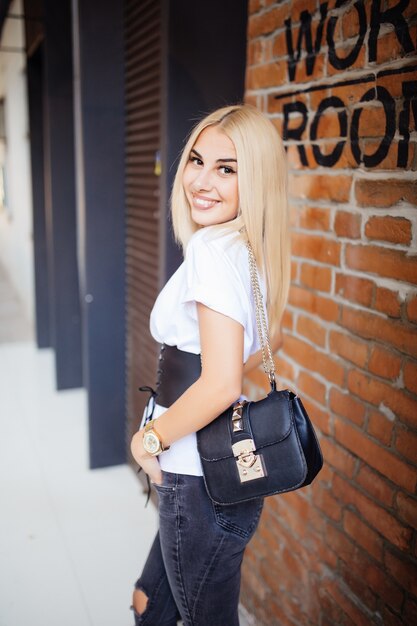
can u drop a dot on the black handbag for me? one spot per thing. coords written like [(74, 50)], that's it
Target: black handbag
[(262, 448)]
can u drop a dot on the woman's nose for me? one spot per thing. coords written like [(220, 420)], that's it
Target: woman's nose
[(203, 181)]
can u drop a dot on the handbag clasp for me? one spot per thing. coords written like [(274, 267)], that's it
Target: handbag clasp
[(249, 465)]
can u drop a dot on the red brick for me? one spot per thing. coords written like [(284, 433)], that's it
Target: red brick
[(407, 509), (324, 500), (389, 47), (406, 444), (353, 288), (339, 542), (362, 534), (316, 247), (376, 486), (398, 534), (412, 309), (347, 225), (390, 160), (382, 261), (294, 156), (372, 123), (384, 193), (394, 87), (316, 277), (301, 71), (267, 75), (314, 218), (350, 93), (349, 23), (312, 330), (387, 302), (344, 50), (380, 427), (329, 126), (358, 617), (287, 517), (356, 586), (371, 326), (291, 528), (378, 393), (348, 348), (388, 228), (318, 416), (279, 46), (321, 187), (337, 457), (255, 52), (403, 571), (312, 387), (382, 460), (314, 360), (384, 363), (274, 105), (322, 553), (410, 376), (343, 404), (253, 99), (254, 6), (283, 369), (326, 473), (375, 577), (331, 613), (268, 50), (294, 270), (325, 308), (267, 21), (346, 159), (287, 319)]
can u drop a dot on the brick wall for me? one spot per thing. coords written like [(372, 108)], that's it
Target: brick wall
[(339, 81)]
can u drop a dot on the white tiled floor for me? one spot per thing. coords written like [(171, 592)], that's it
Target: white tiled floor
[(72, 540)]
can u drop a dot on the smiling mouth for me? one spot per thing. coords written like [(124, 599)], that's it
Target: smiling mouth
[(204, 203)]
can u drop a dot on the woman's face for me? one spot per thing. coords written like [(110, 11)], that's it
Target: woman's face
[(210, 178)]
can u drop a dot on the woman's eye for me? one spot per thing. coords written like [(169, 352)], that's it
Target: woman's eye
[(195, 160), (224, 169)]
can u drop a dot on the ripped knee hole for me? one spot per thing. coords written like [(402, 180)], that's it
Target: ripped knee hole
[(140, 601)]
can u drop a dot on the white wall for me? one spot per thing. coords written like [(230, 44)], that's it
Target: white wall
[(16, 239)]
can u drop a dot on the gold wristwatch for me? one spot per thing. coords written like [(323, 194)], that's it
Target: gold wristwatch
[(152, 441)]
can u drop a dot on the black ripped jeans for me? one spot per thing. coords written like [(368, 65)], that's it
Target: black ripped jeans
[(193, 569)]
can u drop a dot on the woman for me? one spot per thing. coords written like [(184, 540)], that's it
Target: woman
[(230, 186)]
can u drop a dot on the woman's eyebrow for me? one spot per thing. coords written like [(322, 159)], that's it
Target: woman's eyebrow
[(217, 160)]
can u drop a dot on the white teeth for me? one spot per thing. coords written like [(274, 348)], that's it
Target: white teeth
[(205, 204)]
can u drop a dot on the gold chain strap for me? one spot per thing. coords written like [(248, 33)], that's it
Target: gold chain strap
[(261, 323)]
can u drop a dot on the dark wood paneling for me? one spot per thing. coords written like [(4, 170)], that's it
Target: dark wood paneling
[(143, 135)]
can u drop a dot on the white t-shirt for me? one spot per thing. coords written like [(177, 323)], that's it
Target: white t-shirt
[(215, 272)]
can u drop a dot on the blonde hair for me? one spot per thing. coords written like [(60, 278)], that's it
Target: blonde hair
[(263, 206)]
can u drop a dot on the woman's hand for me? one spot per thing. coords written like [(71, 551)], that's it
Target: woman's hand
[(150, 464)]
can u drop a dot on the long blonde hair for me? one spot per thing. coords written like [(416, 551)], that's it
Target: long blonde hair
[(263, 205)]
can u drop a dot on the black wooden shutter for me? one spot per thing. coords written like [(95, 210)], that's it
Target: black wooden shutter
[(143, 114)]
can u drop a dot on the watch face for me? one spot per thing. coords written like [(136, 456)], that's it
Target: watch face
[(151, 443)]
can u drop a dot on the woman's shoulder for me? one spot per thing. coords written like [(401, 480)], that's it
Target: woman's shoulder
[(216, 241)]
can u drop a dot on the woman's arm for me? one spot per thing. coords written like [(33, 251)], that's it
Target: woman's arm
[(219, 384)]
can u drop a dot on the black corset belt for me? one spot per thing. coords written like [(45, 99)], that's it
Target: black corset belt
[(177, 371)]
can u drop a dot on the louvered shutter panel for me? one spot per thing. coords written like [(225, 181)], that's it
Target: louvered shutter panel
[(143, 102)]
